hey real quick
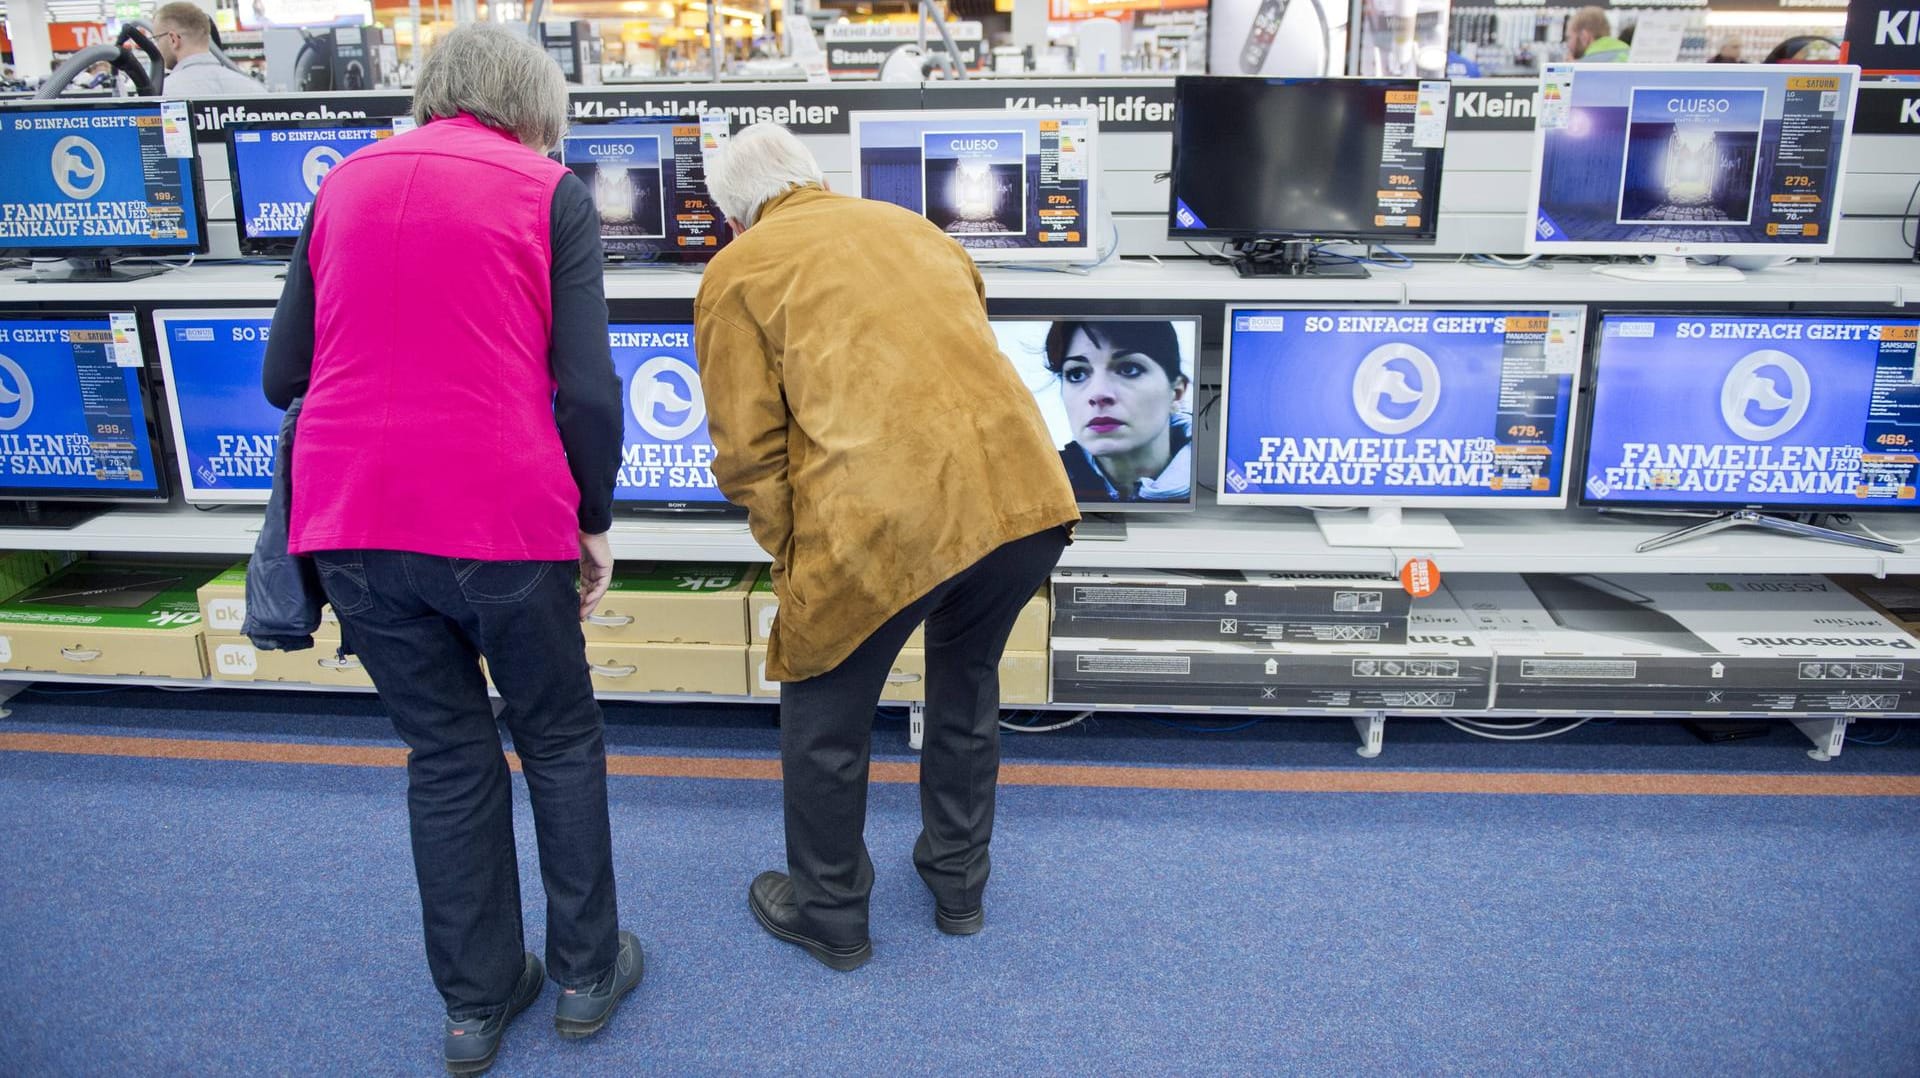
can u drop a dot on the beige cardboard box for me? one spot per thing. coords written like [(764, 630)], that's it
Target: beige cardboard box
[(674, 603), (1029, 632), (109, 617), (223, 603), (1023, 676), (234, 658), (720, 669)]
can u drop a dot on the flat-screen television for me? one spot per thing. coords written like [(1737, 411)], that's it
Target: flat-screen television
[(649, 184), (74, 424), (1322, 158), (1726, 411), (1117, 394), (225, 434), (666, 457), (277, 169), (1011, 186), (91, 181), (1387, 408), (1690, 159)]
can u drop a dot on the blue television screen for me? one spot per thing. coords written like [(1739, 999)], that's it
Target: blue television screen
[(84, 179), (277, 172), (73, 421), (224, 431), (1434, 406), (1691, 158), (667, 456), (1750, 411)]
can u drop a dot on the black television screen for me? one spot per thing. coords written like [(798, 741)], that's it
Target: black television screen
[(1330, 158)]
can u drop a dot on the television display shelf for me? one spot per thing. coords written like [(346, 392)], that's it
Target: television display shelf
[(1215, 537), (1440, 281)]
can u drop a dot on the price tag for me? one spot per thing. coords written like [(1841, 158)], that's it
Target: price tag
[(176, 129), (714, 132), (1556, 97), (1420, 576), (1430, 115), (403, 124), (126, 341), (1565, 328), (1073, 150)]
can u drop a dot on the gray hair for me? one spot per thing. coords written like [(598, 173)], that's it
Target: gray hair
[(498, 76), (760, 164)]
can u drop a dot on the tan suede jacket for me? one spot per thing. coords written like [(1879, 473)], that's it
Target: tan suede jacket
[(864, 416)]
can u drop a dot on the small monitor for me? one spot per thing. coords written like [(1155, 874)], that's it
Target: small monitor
[(1011, 186), (1729, 411), (97, 180), (73, 412), (225, 434), (1386, 408), (277, 169), (1117, 394), (666, 460), (1675, 160), (649, 184), (1306, 158)]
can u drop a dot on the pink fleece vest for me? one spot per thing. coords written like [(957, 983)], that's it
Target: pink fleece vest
[(428, 426)]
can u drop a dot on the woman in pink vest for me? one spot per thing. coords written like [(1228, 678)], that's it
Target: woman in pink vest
[(446, 322)]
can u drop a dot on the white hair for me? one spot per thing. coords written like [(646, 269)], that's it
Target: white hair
[(499, 77), (760, 164)]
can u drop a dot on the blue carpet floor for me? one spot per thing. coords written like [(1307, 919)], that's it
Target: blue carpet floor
[(166, 917)]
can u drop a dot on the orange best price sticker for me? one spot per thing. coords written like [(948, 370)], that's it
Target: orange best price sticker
[(1420, 576)]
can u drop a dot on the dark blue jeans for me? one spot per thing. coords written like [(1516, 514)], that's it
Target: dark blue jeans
[(421, 625)]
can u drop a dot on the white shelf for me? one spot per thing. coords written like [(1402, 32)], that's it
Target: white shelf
[(1143, 280), (1216, 537)]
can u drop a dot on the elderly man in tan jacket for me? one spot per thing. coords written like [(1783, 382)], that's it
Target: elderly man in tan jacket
[(898, 471)]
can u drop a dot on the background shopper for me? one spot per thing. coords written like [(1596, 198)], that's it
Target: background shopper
[(444, 317), (897, 470)]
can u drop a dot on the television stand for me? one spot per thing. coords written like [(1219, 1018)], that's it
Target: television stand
[(1288, 258), (1677, 269), (51, 516), (1748, 518), (1387, 525), (93, 269), (1105, 527)]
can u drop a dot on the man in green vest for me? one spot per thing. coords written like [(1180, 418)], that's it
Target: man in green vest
[(1590, 38)]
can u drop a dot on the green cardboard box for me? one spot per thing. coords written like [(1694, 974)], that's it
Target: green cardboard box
[(674, 603), (109, 616)]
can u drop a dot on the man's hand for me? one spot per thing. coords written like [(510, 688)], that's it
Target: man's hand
[(596, 571)]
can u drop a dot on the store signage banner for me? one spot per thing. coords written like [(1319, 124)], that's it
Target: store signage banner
[(1884, 35)]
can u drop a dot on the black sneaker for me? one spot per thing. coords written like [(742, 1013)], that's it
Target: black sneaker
[(960, 924), (771, 899), (582, 1011), (472, 1042)]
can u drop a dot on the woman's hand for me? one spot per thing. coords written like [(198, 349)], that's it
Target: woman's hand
[(596, 571)]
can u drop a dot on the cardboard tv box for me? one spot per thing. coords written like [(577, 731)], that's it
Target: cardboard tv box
[(674, 603), (1443, 666), (223, 604), (234, 658), (1023, 676), (1290, 608), (1696, 643), (1029, 631), (719, 669), (109, 616)]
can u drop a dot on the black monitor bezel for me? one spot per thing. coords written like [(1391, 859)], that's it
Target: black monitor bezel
[(1436, 165), (677, 256), (1590, 397), (162, 492), (278, 246), (1192, 502), (195, 177)]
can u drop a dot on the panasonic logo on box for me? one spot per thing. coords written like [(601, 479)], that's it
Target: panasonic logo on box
[(1900, 643)]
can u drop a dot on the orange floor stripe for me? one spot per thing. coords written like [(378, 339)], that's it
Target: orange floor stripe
[(1084, 775)]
